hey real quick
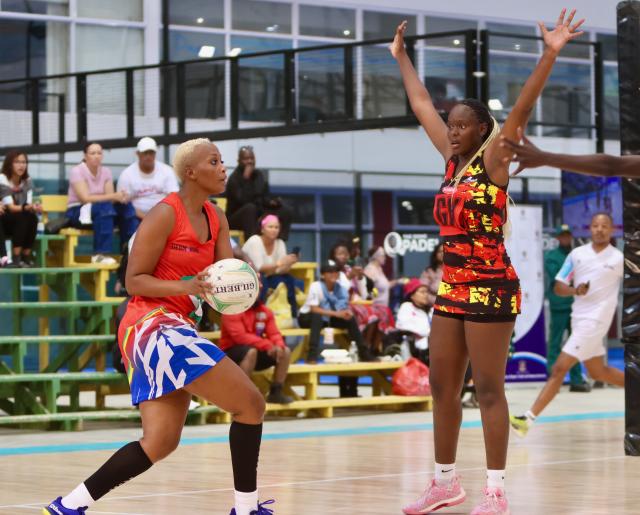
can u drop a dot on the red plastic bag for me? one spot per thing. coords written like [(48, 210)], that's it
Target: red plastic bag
[(411, 379)]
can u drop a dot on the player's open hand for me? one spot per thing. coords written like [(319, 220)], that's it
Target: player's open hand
[(523, 152), (397, 47), (563, 32)]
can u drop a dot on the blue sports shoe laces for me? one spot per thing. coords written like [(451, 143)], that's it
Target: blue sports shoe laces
[(262, 510)]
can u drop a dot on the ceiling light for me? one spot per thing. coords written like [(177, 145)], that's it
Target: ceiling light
[(234, 52), (495, 104), (517, 46), (206, 51), (200, 20), (479, 74), (346, 32), (273, 28), (456, 42)]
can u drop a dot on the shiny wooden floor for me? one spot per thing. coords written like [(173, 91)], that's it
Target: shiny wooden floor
[(561, 468)]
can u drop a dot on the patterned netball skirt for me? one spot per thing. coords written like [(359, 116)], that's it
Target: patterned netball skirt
[(482, 298), (162, 353)]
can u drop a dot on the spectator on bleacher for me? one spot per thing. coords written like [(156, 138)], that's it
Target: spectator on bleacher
[(375, 271), (432, 275), (147, 181), (248, 198), (94, 201), (327, 305), (373, 320), (253, 341), (20, 218), (269, 256), (414, 319)]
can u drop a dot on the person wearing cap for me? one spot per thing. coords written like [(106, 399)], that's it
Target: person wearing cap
[(560, 307), (147, 181), (413, 317), (327, 305), (248, 198)]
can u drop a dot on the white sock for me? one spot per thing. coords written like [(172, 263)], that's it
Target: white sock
[(495, 479), (246, 502), (445, 473), (531, 418), (78, 498)]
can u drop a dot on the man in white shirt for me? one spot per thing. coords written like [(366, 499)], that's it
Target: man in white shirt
[(592, 274), (147, 181)]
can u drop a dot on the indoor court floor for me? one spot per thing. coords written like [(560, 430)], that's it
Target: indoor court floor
[(572, 462)]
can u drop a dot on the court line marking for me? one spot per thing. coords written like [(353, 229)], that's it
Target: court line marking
[(320, 481), (349, 431)]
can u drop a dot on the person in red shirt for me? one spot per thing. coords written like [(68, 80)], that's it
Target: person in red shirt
[(253, 341)]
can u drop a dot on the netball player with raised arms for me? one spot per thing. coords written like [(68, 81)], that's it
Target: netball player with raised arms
[(479, 296), (167, 361)]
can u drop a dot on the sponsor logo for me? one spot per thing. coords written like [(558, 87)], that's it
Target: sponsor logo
[(184, 248), (396, 244)]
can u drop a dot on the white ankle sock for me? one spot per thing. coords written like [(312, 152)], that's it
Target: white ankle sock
[(78, 498), (531, 418), (246, 502), (495, 479), (445, 473)]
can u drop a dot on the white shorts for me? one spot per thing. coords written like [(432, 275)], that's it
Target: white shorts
[(587, 339)]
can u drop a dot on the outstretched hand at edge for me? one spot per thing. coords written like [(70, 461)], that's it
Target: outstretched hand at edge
[(397, 46), (524, 152), (562, 33)]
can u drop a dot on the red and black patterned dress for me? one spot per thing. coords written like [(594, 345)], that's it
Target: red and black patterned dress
[(477, 278)]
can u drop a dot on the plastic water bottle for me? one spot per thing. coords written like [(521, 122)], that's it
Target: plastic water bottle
[(405, 349), (353, 352)]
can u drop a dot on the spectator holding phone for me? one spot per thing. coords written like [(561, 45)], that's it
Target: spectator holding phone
[(268, 253)]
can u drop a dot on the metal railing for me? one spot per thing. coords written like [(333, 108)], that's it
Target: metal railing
[(327, 88)]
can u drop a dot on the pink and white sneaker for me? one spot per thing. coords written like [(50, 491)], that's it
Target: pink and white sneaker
[(437, 496), (494, 503)]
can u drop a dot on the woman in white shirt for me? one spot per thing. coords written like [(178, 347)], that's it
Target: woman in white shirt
[(269, 256), (413, 317)]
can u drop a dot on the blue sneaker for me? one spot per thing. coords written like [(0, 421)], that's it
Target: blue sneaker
[(56, 508), (261, 509)]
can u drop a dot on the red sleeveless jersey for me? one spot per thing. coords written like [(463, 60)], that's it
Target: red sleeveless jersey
[(183, 256)]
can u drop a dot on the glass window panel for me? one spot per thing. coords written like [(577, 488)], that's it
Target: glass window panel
[(435, 24), (302, 205), (609, 46), (566, 99), (378, 25), (261, 79), (507, 74), (53, 7), (611, 103), (445, 77), (125, 47), (201, 13), (274, 17), (320, 85), (413, 210), (204, 90), (513, 44), (339, 208), (306, 240), (33, 48), (185, 45), (129, 10), (382, 89), (332, 22)]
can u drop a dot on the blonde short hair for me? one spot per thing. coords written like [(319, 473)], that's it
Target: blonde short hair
[(184, 155)]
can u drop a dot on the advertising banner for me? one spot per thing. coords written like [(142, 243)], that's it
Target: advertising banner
[(524, 244)]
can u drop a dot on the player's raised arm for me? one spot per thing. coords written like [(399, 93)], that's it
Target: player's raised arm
[(419, 96), (555, 40)]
